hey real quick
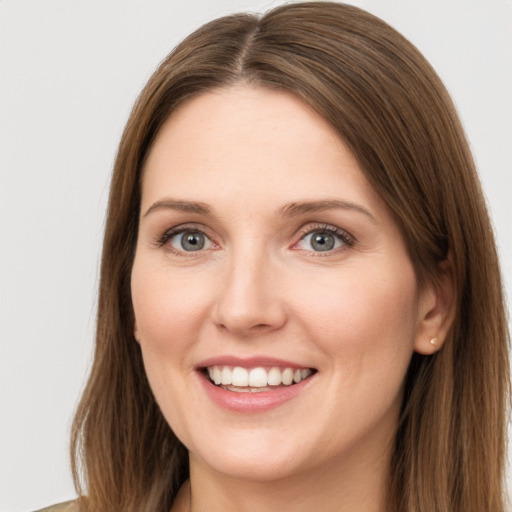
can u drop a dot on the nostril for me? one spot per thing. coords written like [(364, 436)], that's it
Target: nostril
[(260, 327)]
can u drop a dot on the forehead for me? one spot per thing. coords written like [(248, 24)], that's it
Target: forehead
[(254, 142)]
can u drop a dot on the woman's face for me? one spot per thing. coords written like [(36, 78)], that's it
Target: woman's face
[(263, 257)]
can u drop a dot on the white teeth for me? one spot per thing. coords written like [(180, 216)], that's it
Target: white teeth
[(274, 377), (287, 377), (239, 377), (246, 389), (256, 379), (305, 373), (217, 376), (226, 376)]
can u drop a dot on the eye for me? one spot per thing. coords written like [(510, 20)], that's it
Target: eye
[(324, 239), (189, 241)]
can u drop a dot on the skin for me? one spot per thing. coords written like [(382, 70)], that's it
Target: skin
[(258, 288)]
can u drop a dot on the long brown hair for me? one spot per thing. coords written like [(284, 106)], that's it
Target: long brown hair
[(388, 104)]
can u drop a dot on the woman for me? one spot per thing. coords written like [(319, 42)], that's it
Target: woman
[(300, 302)]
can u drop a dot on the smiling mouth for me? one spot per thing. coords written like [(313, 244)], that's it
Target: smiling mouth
[(255, 380)]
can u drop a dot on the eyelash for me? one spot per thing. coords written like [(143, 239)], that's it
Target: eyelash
[(170, 234), (347, 239)]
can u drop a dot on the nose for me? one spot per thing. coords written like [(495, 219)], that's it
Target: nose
[(250, 300)]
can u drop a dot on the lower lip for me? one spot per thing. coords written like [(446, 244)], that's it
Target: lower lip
[(252, 402)]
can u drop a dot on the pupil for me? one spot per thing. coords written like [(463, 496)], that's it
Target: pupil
[(193, 241), (323, 242)]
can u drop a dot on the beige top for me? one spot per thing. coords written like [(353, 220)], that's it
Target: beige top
[(68, 506)]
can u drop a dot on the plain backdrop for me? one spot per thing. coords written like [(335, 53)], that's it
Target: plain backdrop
[(70, 72)]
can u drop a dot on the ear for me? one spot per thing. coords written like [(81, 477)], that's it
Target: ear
[(436, 310)]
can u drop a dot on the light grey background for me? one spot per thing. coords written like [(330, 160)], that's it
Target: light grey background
[(70, 71)]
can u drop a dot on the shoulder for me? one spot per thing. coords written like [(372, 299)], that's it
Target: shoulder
[(68, 506)]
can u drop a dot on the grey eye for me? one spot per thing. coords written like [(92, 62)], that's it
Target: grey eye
[(321, 241), (190, 241)]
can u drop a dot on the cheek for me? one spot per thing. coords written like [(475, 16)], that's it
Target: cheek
[(365, 327), (363, 314), (167, 309), (167, 312)]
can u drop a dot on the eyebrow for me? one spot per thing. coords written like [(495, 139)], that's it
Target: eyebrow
[(288, 210), (303, 207), (182, 206)]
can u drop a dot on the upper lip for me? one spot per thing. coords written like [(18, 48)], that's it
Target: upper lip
[(249, 362)]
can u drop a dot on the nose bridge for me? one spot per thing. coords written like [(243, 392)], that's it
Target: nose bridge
[(248, 301)]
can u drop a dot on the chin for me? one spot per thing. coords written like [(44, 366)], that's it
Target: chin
[(249, 453), (260, 467)]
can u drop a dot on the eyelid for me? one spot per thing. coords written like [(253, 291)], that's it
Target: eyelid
[(347, 239), (163, 238)]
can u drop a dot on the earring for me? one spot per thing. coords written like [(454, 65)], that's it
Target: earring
[(433, 341)]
